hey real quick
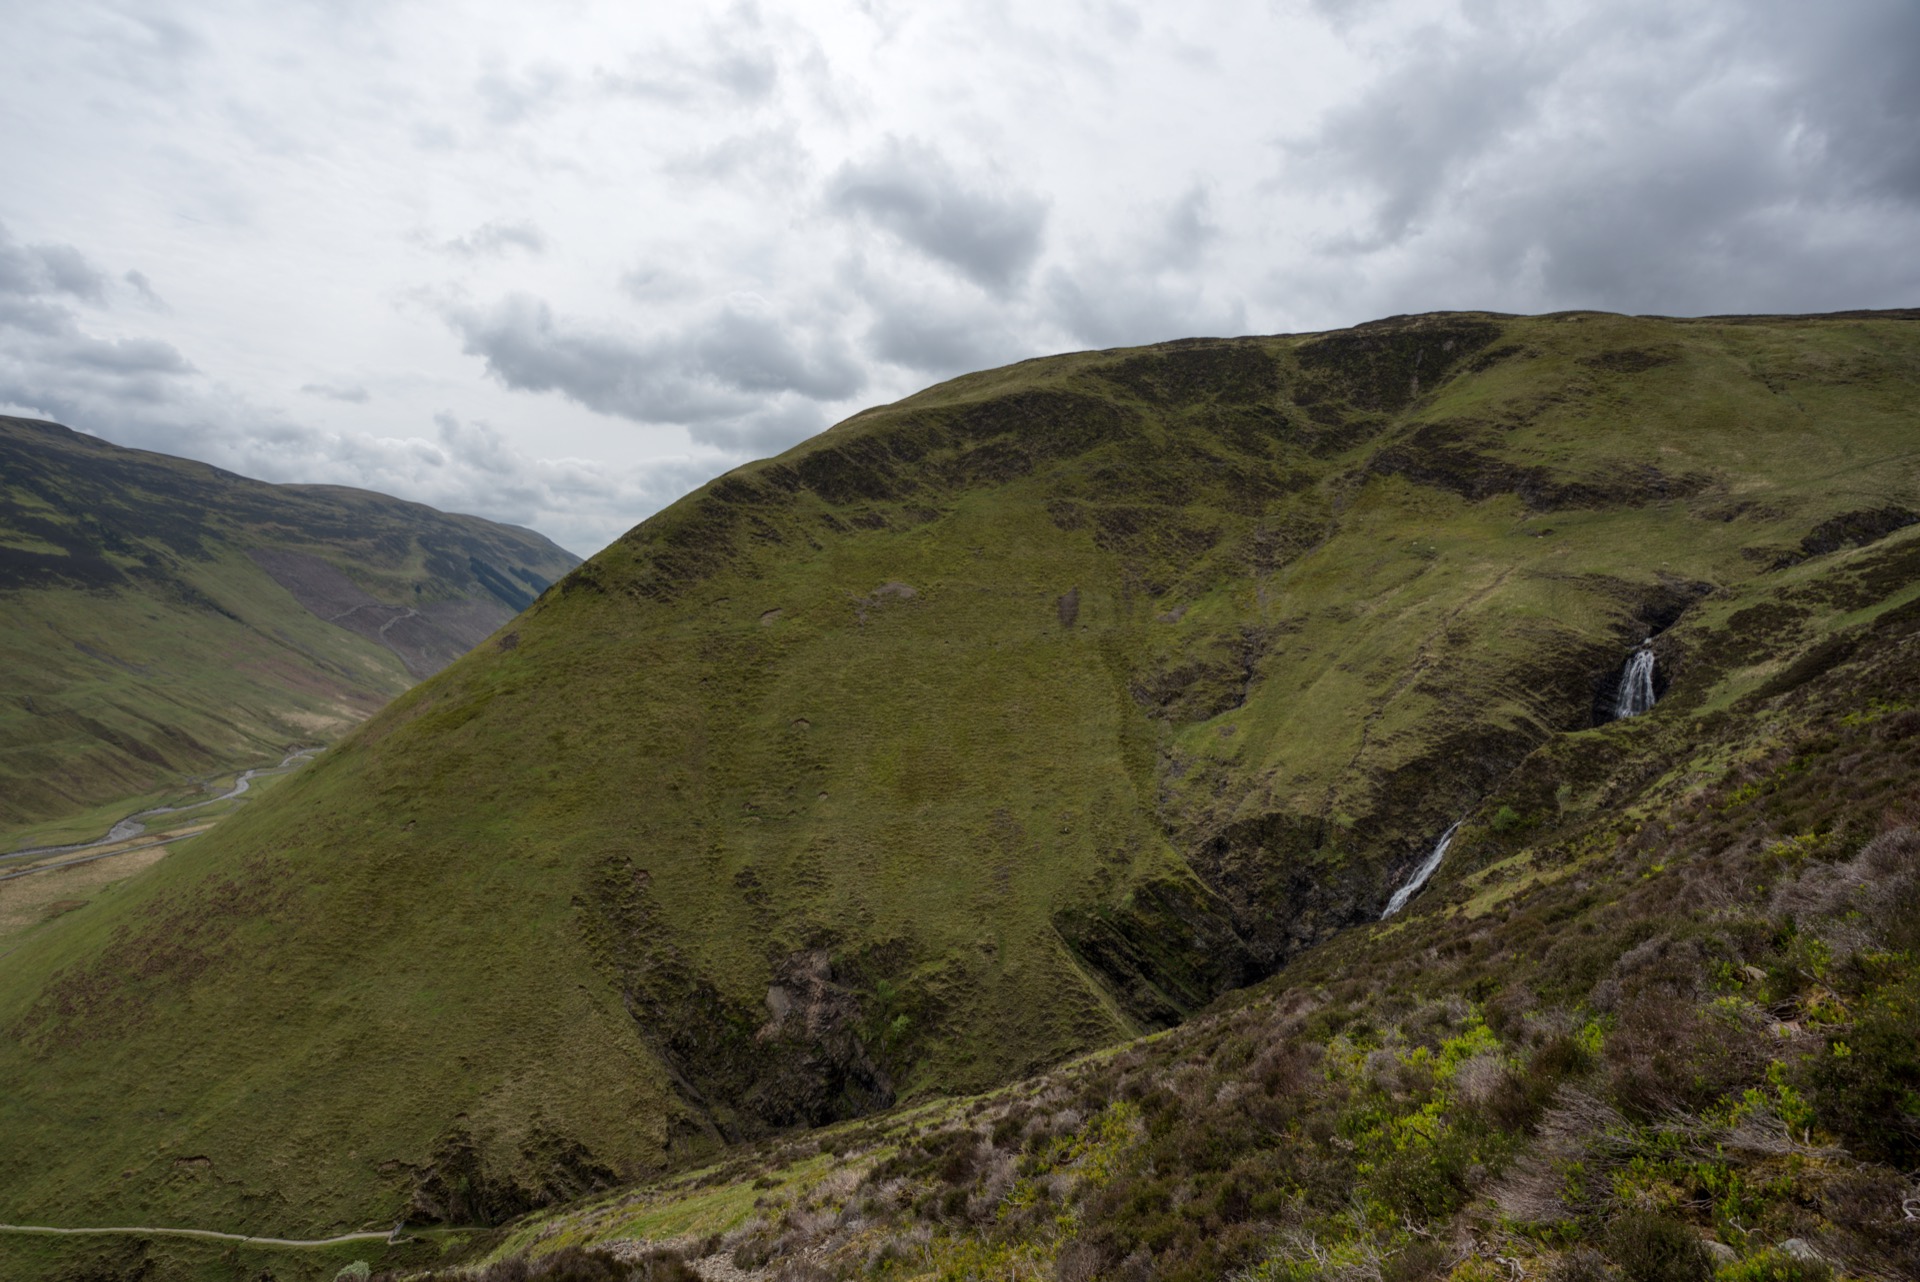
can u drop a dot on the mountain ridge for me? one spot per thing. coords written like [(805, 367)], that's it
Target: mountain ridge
[(150, 643), (1027, 714)]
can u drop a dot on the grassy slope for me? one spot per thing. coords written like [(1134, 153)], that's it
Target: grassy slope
[(1315, 621), (142, 644), (1664, 991)]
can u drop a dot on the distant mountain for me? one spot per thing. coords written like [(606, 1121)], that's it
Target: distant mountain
[(161, 618), (1018, 718)]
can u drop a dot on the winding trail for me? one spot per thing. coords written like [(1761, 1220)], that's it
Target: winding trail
[(134, 825), (207, 1235)]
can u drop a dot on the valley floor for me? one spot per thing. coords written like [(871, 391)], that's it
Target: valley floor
[(67, 870)]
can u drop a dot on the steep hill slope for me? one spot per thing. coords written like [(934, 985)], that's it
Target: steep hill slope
[(1658, 1016), (1013, 719), (164, 619)]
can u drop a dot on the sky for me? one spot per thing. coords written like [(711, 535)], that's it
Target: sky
[(558, 264)]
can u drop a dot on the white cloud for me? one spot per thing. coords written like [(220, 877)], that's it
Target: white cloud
[(668, 240)]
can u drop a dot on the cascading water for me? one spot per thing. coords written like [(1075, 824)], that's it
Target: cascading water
[(1635, 694), (1420, 874)]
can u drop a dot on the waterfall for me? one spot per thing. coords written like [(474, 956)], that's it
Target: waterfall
[(1420, 874), (1635, 694)]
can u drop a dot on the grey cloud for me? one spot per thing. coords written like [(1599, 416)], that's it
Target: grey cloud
[(746, 74), (128, 356), (922, 337), (1858, 90), (50, 358), (1121, 20), (352, 393), (497, 237), (526, 349), (1187, 230), (69, 273), (718, 370), (1750, 158), (1103, 305), (144, 288), (655, 284), (990, 237), (737, 61), (1343, 15), (48, 269), (434, 136), (37, 317), (151, 51), (478, 443), (757, 353), (767, 431), (511, 99), (681, 81), (769, 156), (1415, 133)]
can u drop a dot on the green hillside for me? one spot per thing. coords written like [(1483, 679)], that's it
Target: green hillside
[(1655, 1020), (166, 621), (1015, 719)]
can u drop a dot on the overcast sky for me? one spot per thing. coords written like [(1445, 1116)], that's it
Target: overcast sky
[(558, 263)]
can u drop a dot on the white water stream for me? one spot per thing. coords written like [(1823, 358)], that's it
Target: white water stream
[(1420, 874)]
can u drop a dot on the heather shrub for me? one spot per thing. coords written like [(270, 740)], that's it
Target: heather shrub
[(1652, 1248), (1419, 1262), (1666, 1055), (571, 1264), (1583, 1264)]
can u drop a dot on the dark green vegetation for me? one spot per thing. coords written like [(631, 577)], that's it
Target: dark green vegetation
[(164, 619), (1021, 717)]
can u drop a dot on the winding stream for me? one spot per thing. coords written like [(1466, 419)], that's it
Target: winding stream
[(135, 825)]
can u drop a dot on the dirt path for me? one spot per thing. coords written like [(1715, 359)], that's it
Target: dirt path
[(203, 1234)]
